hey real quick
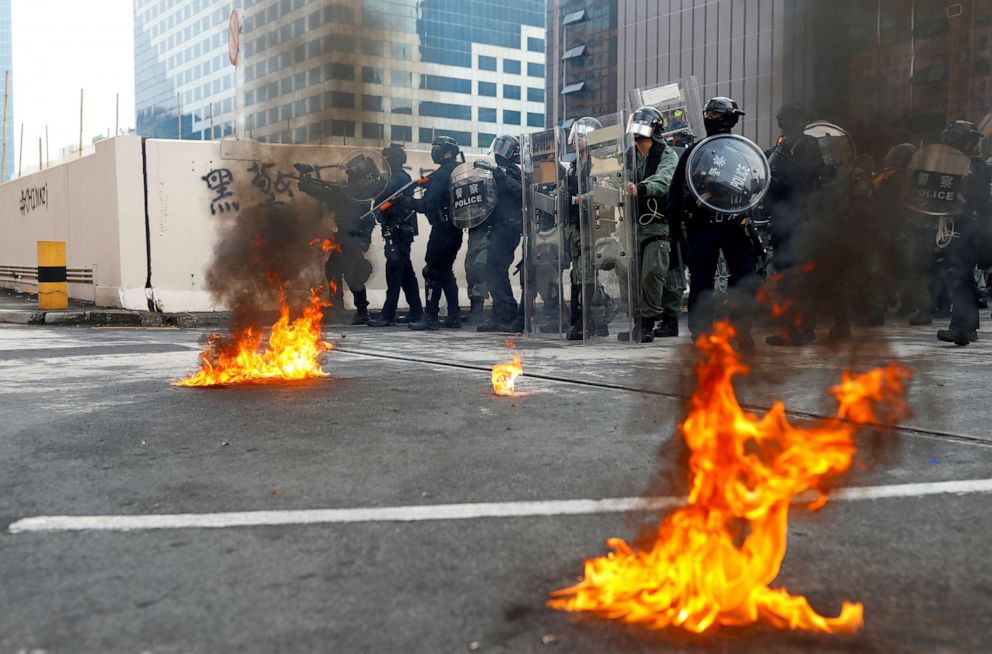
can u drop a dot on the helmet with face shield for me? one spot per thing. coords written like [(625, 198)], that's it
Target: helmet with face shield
[(647, 122), (580, 129), (505, 149)]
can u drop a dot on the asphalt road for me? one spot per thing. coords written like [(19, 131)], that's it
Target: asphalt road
[(89, 426)]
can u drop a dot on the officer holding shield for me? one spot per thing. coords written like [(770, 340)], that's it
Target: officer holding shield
[(735, 175), (651, 164), (577, 180)]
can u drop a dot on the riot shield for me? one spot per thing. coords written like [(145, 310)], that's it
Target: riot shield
[(473, 194), (838, 151), (728, 174), (678, 102), (608, 265), (545, 251), (935, 185), (363, 175)]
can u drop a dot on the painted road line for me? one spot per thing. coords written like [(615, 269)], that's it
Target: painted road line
[(443, 511)]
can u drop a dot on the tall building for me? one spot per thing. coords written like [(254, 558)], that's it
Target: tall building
[(183, 78), (582, 58), (887, 70), (370, 71), (7, 65)]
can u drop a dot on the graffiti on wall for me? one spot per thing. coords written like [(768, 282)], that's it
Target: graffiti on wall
[(274, 186), (33, 199)]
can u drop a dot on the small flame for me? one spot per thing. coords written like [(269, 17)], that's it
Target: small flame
[(327, 245), (291, 352), (505, 374), (744, 473)]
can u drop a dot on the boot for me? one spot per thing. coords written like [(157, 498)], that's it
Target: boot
[(362, 308), (667, 328), (427, 323), (381, 322), (453, 321), (955, 336), (647, 332)]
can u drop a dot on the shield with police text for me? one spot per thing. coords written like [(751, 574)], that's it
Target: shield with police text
[(546, 255), (728, 174), (473, 195), (936, 183)]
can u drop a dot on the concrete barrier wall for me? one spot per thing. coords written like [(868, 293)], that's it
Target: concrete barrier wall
[(97, 205)]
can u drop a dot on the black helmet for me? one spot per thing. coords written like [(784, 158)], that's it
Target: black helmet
[(793, 114), (720, 115), (647, 122), (441, 146), (394, 155), (506, 148), (961, 135)]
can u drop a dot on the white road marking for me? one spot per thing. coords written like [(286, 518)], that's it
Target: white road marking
[(443, 511)]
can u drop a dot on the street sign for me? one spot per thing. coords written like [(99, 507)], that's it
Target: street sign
[(234, 37)]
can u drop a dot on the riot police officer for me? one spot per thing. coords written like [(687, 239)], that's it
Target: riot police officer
[(970, 241), (576, 181), (444, 241), (399, 227), (505, 227), (797, 167), (354, 235), (709, 232), (651, 164)]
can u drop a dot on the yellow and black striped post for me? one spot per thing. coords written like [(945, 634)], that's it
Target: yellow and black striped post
[(53, 289)]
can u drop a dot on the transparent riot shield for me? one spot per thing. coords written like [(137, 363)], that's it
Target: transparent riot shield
[(679, 103), (935, 188), (608, 262), (545, 249)]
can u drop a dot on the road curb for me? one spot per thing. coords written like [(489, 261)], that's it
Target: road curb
[(112, 318)]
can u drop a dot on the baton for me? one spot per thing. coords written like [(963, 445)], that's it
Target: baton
[(391, 200)]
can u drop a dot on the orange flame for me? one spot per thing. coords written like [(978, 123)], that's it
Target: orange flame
[(505, 374), (327, 245), (291, 352), (744, 473)]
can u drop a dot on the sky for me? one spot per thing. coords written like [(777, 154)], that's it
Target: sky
[(60, 47)]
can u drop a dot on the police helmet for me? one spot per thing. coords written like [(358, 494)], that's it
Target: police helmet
[(441, 146), (962, 135), (506, 148), (720, 115), (580, 129), (793, 114), (395, 155), (647, 122)]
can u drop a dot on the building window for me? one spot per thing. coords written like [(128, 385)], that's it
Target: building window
[(313, 104), (487, 115), (402, 106), (450, 84), (535, 95), (402, 78), (340, 128), (487, 63), (402, 51), (535, 70), (372, 102), (339, 43), (535, 45), (372, 47), (535, 120), (444, 110), (372, 75), (487, 89), (511, 92), (461, 138), (401, 133), (511, 66), (511, 117), (339, 100), (373, 131), (340, 71), (339, 14), (484, 140)]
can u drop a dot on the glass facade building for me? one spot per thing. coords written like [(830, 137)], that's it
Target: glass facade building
[(182, 74), (7, 64), (372, 71)]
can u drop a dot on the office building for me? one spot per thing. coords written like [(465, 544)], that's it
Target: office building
[(183, 78), (372, 71)]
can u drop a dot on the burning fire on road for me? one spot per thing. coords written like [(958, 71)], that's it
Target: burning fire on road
[(713, 560), (505, 375)]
